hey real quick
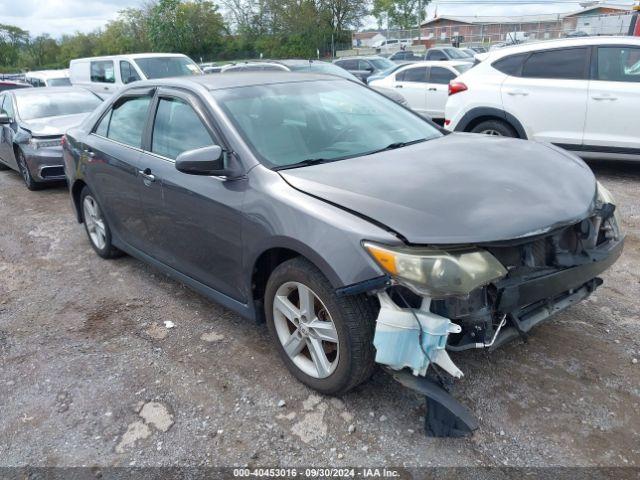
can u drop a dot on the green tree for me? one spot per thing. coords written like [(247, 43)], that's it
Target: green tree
[(403, 14), (13, 40)]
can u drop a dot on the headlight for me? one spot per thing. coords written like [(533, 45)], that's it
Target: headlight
[(437, 273), (605, 196), (45, 142)]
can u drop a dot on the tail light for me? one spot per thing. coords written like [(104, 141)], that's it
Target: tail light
[(456, 87)]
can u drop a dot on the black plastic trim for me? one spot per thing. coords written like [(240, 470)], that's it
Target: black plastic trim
[(599, 149), (478, 112)]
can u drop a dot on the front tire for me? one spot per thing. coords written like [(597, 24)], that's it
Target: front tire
[(96, 226), (496, 128), (325, 341), (25, 172)]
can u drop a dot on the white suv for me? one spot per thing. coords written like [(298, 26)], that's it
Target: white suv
[(582, 94)]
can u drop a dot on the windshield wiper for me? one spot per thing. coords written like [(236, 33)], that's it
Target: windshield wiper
[(395, 145), (303, 163)]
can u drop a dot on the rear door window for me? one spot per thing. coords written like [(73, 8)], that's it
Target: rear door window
[(102, 71), (178, 128), (566, 63), (436, 55), (619, 64), (125, 122), (441, 75), (418, 74)]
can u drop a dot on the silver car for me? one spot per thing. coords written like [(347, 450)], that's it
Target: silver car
[(32, 122)]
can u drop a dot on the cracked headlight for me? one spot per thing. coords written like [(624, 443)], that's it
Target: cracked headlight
[(437, 273), (605, 196)]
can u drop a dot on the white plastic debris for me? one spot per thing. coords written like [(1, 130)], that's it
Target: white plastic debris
[(169, 324)]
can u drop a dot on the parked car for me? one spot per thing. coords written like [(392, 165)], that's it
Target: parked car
[(404, 56), (468, 52), (32, 122), (578, 93), (385, 73), (392, 44), (364, 67), (446, 53), (308, 66), (285, 197), (48, 78), (479, 49), (11, 85), (425, 85), (290, 65), (108, 74)]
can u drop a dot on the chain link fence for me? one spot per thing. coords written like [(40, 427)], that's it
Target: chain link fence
[(475, 32)]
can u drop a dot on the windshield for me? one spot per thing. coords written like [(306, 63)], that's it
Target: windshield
[(382, 63), (323, 67), (455, 53), (40, 105), (163, 67), (59, 82), (324, 120)]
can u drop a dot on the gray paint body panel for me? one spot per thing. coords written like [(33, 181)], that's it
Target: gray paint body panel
[(461, 188)]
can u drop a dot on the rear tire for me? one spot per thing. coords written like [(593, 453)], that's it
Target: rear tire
[(96, 226), (350, 360), (25, 172), (496, 128)]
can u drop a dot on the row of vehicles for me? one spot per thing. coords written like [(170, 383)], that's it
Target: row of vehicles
[(359, 230)]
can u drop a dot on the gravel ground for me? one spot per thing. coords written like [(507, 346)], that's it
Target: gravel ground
[(90, 374)]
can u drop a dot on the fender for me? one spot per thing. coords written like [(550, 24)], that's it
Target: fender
[(478, 112)]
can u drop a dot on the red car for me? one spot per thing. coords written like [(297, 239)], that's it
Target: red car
[(10, 85)]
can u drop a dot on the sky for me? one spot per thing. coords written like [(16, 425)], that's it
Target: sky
[(58, 17)]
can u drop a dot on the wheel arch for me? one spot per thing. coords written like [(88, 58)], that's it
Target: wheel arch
[(480, 114), (274, 255)]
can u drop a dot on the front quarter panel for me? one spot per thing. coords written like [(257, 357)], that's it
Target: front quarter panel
[(279, 216)]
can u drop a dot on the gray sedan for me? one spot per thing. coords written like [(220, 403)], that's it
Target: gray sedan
[(358, 230), (32, 122)]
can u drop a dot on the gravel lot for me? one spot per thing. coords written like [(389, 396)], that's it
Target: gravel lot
[(90, 375)]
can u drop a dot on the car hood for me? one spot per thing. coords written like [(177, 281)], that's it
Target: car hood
[(50, 126), (458, 189)]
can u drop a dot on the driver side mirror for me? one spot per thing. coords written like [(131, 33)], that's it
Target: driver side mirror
[(208, 161), (5, 119)]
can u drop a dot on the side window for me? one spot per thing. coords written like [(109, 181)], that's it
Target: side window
[(436, 55), (128, 73), (350, 64), (102, 71), (619, 64), (177, 129), (364, 65), (7, 106), (567, 63), (126, 121), (441, 75), (418, 74), (511, 65)]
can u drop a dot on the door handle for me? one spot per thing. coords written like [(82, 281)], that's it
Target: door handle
[(432, 89), (604, 97), (89, 153), (147, 175), (517, 92), (398, 86)]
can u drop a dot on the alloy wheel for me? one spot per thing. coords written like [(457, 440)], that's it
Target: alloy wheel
[(491, 132), (94, 222), (306, 330)]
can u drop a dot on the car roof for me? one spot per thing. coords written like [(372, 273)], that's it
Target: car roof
[(238, 79), (64, 73), (559, 43), (53, 90), (361, 57), (437, 63), (129, 56)]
